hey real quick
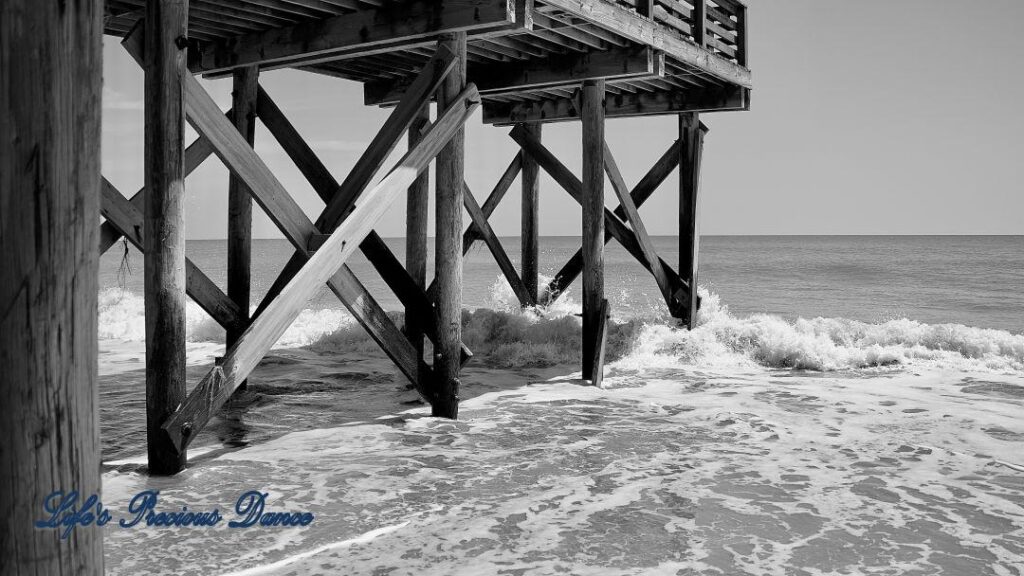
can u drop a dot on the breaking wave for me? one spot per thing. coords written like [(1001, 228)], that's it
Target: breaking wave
[(122, 317), (503, 335)]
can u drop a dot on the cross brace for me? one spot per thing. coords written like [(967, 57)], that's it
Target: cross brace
[(125, 217), (475, 231), (616, 228), (341, 199), (640, 193), (326, 266)]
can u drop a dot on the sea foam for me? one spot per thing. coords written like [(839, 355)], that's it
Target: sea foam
[(504, 335)]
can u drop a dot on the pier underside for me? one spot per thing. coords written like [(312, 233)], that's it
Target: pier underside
[(523, 62)]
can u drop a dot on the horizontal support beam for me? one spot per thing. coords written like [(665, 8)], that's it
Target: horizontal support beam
[(556, 71), (391, 26), (643, 30), (623, 105)]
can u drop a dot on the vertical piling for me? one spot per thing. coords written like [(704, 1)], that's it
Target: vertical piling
[(165, 67), (593, 219), (691, 135), (51, 62), (531, 215), (417, 215), (243, 104), (448, 249)]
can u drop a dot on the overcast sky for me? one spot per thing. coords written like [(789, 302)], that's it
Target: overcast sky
[(868, 117)]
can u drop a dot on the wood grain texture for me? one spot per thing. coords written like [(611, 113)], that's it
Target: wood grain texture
[(553, 71), (530, 218), (417, 216), (599, 344), (700, 22), (643, 30), (691, 136), (362, 32), (592, 192), (50, 85), (622, 105), (165, 76), (450, 175), (243, 103), (742, 33)]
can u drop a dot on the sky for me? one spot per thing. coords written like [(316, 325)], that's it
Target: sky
[(868, 117)]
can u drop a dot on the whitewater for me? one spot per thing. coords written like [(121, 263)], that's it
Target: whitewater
[(758, 443)]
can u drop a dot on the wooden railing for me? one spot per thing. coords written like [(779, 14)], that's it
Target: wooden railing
[(718, 25)]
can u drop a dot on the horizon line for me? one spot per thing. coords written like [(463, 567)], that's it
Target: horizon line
[(1008, 235)]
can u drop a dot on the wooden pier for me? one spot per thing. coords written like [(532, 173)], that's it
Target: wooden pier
[(522, 62)]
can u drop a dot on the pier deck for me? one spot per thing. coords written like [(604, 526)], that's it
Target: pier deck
[(526, 57)]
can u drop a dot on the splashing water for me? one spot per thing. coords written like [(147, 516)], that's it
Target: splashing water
[(505, 335)]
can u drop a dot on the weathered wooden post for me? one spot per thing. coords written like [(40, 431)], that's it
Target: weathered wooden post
[(531, 215), (593, 219), (165, 28), (691, 135), (741, 36), (51, 56), (417, 215), (448, 249), (243, 99), (700, 22)]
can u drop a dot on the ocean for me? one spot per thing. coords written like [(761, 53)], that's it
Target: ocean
[(847, 405)]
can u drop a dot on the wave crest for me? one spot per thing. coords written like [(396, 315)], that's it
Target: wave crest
[(826, 344), (506, 336)]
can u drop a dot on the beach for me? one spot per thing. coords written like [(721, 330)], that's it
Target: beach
[(756, 444)]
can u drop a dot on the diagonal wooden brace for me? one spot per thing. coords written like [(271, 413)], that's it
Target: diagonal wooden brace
[(341, 199), (491, 239), (373, 247), (323, 266), (126, 218), (640, 194), (195, 154), (572, 185), (675, 301), (472, 233), (245, 164)]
